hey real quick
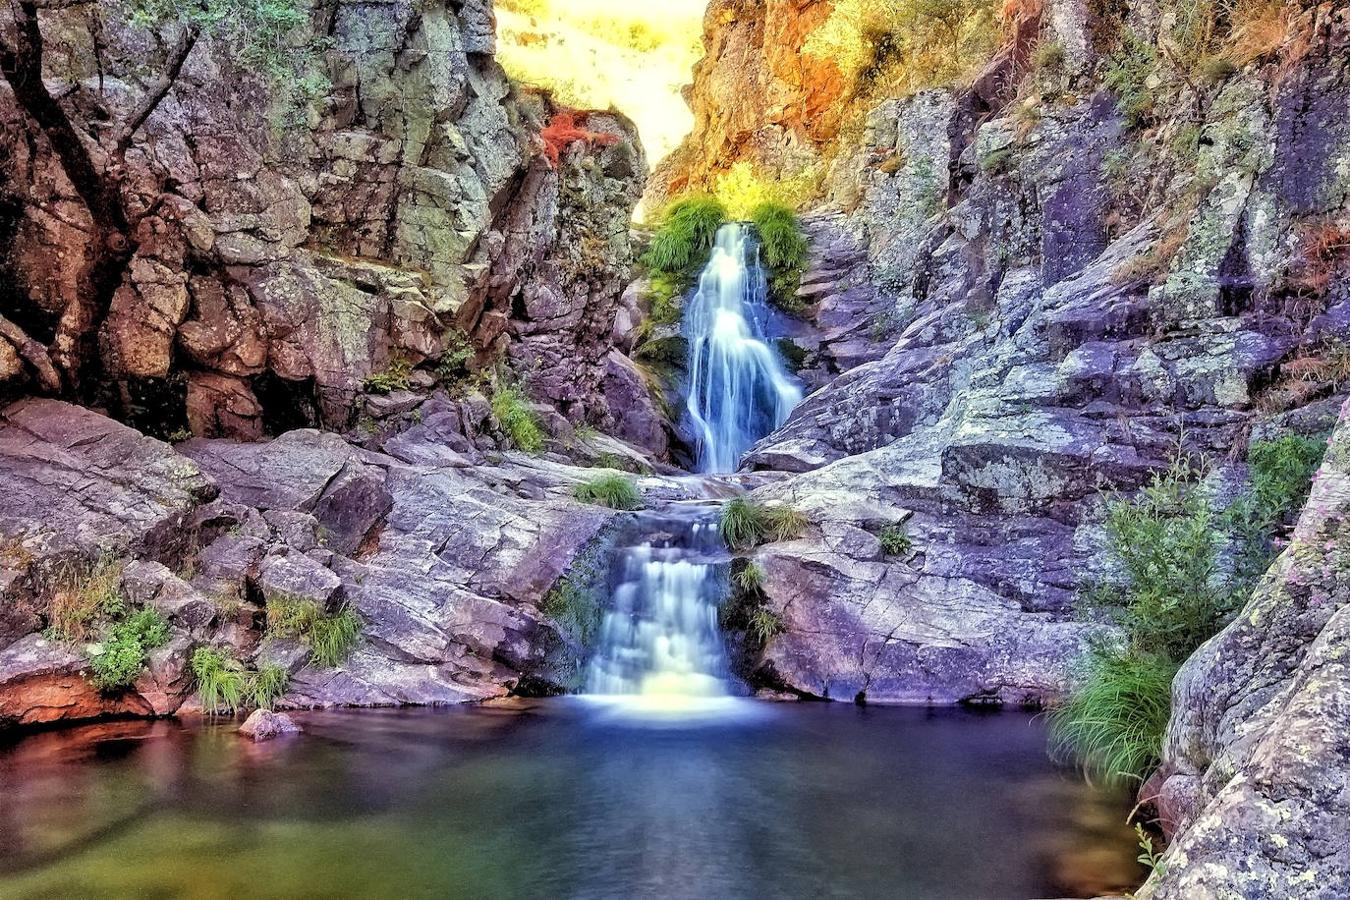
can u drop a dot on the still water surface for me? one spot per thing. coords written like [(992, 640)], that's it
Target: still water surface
[(560, 799)]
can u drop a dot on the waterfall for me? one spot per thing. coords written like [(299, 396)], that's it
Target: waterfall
[(739, 390), (660, 638), (660, 646)]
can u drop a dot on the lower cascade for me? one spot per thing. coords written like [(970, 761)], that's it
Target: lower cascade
[(660, 638), (739, 390)]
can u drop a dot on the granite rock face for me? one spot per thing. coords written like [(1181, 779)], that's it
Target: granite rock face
[(238, 253), (445, 564)]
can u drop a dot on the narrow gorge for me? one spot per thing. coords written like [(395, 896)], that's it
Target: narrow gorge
[(961, 409)]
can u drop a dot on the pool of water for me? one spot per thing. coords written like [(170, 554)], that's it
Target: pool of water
[(561, 799)]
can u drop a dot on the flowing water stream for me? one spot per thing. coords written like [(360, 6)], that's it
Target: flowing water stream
[(660, 642)]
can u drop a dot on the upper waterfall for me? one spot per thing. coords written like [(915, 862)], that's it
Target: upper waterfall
[(739, 390)]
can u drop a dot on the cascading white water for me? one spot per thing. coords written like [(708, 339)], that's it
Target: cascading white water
[(660, 644), (660, 638), (739, 390)]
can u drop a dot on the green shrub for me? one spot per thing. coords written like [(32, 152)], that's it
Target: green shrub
[(1116, 717), (784, 250), (615, 491), (512, 411), (1281, 473), (221, 680), (453, 365), (121, 656), (329, 637), (745, 524), (895, 540), (393, 378), (685, 236), (1168, 544), (749, 579)]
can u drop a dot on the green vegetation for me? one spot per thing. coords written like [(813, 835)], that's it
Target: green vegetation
[(453, 365), (223, 681), (1148, 856), (330, 637), (685, 237), (393, 378), (261, 32), (613, 490), (574, 604), (742, 189), (81, 593), (744, 608), (745, 524), (512, 411), (121, 656), (784, 251), (1180, 587), (1129, 73), (895, 540)]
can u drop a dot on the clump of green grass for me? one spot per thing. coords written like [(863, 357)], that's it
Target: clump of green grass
[(895, 540), (784, 249), (1281, 472), (685, 236), (745, 524), (221, 680), (121, 657), (749, 579), (395, 377), (613, 490), (1115, 721), (512, 411), (765, 624), (81, 593), (268, 685), (1128, 74), (330, 637), (745, 607)]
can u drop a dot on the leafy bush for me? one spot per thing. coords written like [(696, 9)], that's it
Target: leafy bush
[(1281, 473), (614, 491), (1167, 542), (784, 249), (329, 637), (512, 411), (1116, 717), (393, 378), (895, 540), (121, 657), (685, 236), (745, 524), (453, 365)]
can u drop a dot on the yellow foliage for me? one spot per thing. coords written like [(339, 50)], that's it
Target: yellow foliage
[(742, 188)]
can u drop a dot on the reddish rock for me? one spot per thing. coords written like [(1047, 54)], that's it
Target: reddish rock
[(265, 725)]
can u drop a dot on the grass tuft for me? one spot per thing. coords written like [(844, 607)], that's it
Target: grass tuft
[(685, 236), (330, 637), (614, 491), (746, 524), (512, 411), (224, 682), (784, 250)]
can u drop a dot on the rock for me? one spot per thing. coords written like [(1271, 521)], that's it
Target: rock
[(265, 725), (1254, 784), (632, 409)]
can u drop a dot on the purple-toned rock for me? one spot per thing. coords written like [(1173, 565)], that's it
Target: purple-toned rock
[(265, 725)]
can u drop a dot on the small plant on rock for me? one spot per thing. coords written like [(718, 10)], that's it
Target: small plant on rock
[(512, 411), (121, 656), (745, 524), (330, 637), (895, 540), (765, 624), (394, 378), (685, 237), (614, 491), (574, 605), (81, 593), (221, 680), (784, 249)]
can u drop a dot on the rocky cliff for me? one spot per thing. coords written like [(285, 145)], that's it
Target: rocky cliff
[(244, 235)]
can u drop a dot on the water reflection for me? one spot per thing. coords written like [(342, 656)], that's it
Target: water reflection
[(559, 799)]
